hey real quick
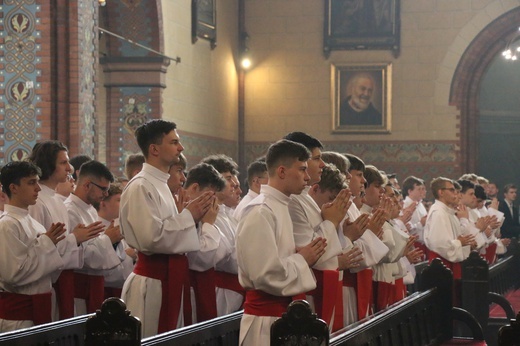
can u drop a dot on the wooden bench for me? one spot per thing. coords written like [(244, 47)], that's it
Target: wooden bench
[(70, 332), (424, 318), (483, 283)]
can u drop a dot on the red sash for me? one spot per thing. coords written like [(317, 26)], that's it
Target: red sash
[(113, 292), (349, 279), (229, 281), (203, 284), (384, 294), (365, 298), (172, 271), (91, 288), (259, 303), (21, 307), (491, 251), (400, 290), (326, 295), (64, 288), (453, 266)]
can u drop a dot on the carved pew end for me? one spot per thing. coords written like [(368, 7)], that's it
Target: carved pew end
[(113, 325)]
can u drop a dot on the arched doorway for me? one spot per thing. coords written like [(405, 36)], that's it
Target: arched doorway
[(467, 81)]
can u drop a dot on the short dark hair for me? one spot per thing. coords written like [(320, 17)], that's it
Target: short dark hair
[(14, 171), (373, 175), (133, 162), (205, 175), (152, 132), (255, 169), (332, 179), (338, 160), (95, 169), (306, 140), (45, 154), (480, 193), (439, 183), (465, 185), (77, 161), (285, 152), (222, 163), (355, 163), (409, 184), (508, 187)]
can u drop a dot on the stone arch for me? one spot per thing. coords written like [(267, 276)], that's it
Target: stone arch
[(470, 69), (133, 77)]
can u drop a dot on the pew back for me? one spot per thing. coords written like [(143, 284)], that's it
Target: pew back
[(70, 332)]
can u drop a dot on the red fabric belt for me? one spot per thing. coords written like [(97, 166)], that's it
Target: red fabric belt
[(453, 266), (172, 271), (491, 251), (229, 281), (21, 307), (259, 303), (91, 288), (203, 284), (64, 288), (400, 290), (365, 298), (384, 293), (349, 279), (326, 295)]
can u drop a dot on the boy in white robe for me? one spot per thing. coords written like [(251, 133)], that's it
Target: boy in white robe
[(28, 253), (53, 160), (256, 177), (414, 191), (270, 267), (229, 293), (357, 283), (201, 179), (93, 184), (442, 232), (108, 212), (330, 189), (157, 292)]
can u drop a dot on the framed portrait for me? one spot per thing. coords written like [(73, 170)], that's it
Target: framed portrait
[(361, 98), (362, 24), (204, 21)]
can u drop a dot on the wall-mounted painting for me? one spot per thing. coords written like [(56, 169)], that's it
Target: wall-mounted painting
[(361, 98), (204, 21), (361, 24)]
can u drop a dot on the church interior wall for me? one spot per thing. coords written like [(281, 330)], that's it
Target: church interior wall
[(289, 86)]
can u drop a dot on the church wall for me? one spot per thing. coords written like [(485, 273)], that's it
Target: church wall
[(201, 94), (289, 85)]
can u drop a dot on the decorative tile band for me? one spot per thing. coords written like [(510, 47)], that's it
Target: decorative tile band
[(18, 78), (88, 42), (135, 109)]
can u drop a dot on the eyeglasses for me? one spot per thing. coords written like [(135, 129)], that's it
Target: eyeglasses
[(452, 189), (102, 188)]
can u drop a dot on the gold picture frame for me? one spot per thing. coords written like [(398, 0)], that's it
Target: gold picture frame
[(361, 98)]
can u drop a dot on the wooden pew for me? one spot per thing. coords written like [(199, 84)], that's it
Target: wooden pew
[(218, 331), (70, 332), (481, 283), (424, 318)]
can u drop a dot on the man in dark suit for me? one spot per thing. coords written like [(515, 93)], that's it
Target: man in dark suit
[(511, 226)]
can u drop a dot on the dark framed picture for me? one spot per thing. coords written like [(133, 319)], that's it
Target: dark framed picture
[(361, 98), (362, 24), (204, 21)]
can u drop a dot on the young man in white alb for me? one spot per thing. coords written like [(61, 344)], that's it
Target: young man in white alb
[(157, 291), (270, 267), (28, 252)]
